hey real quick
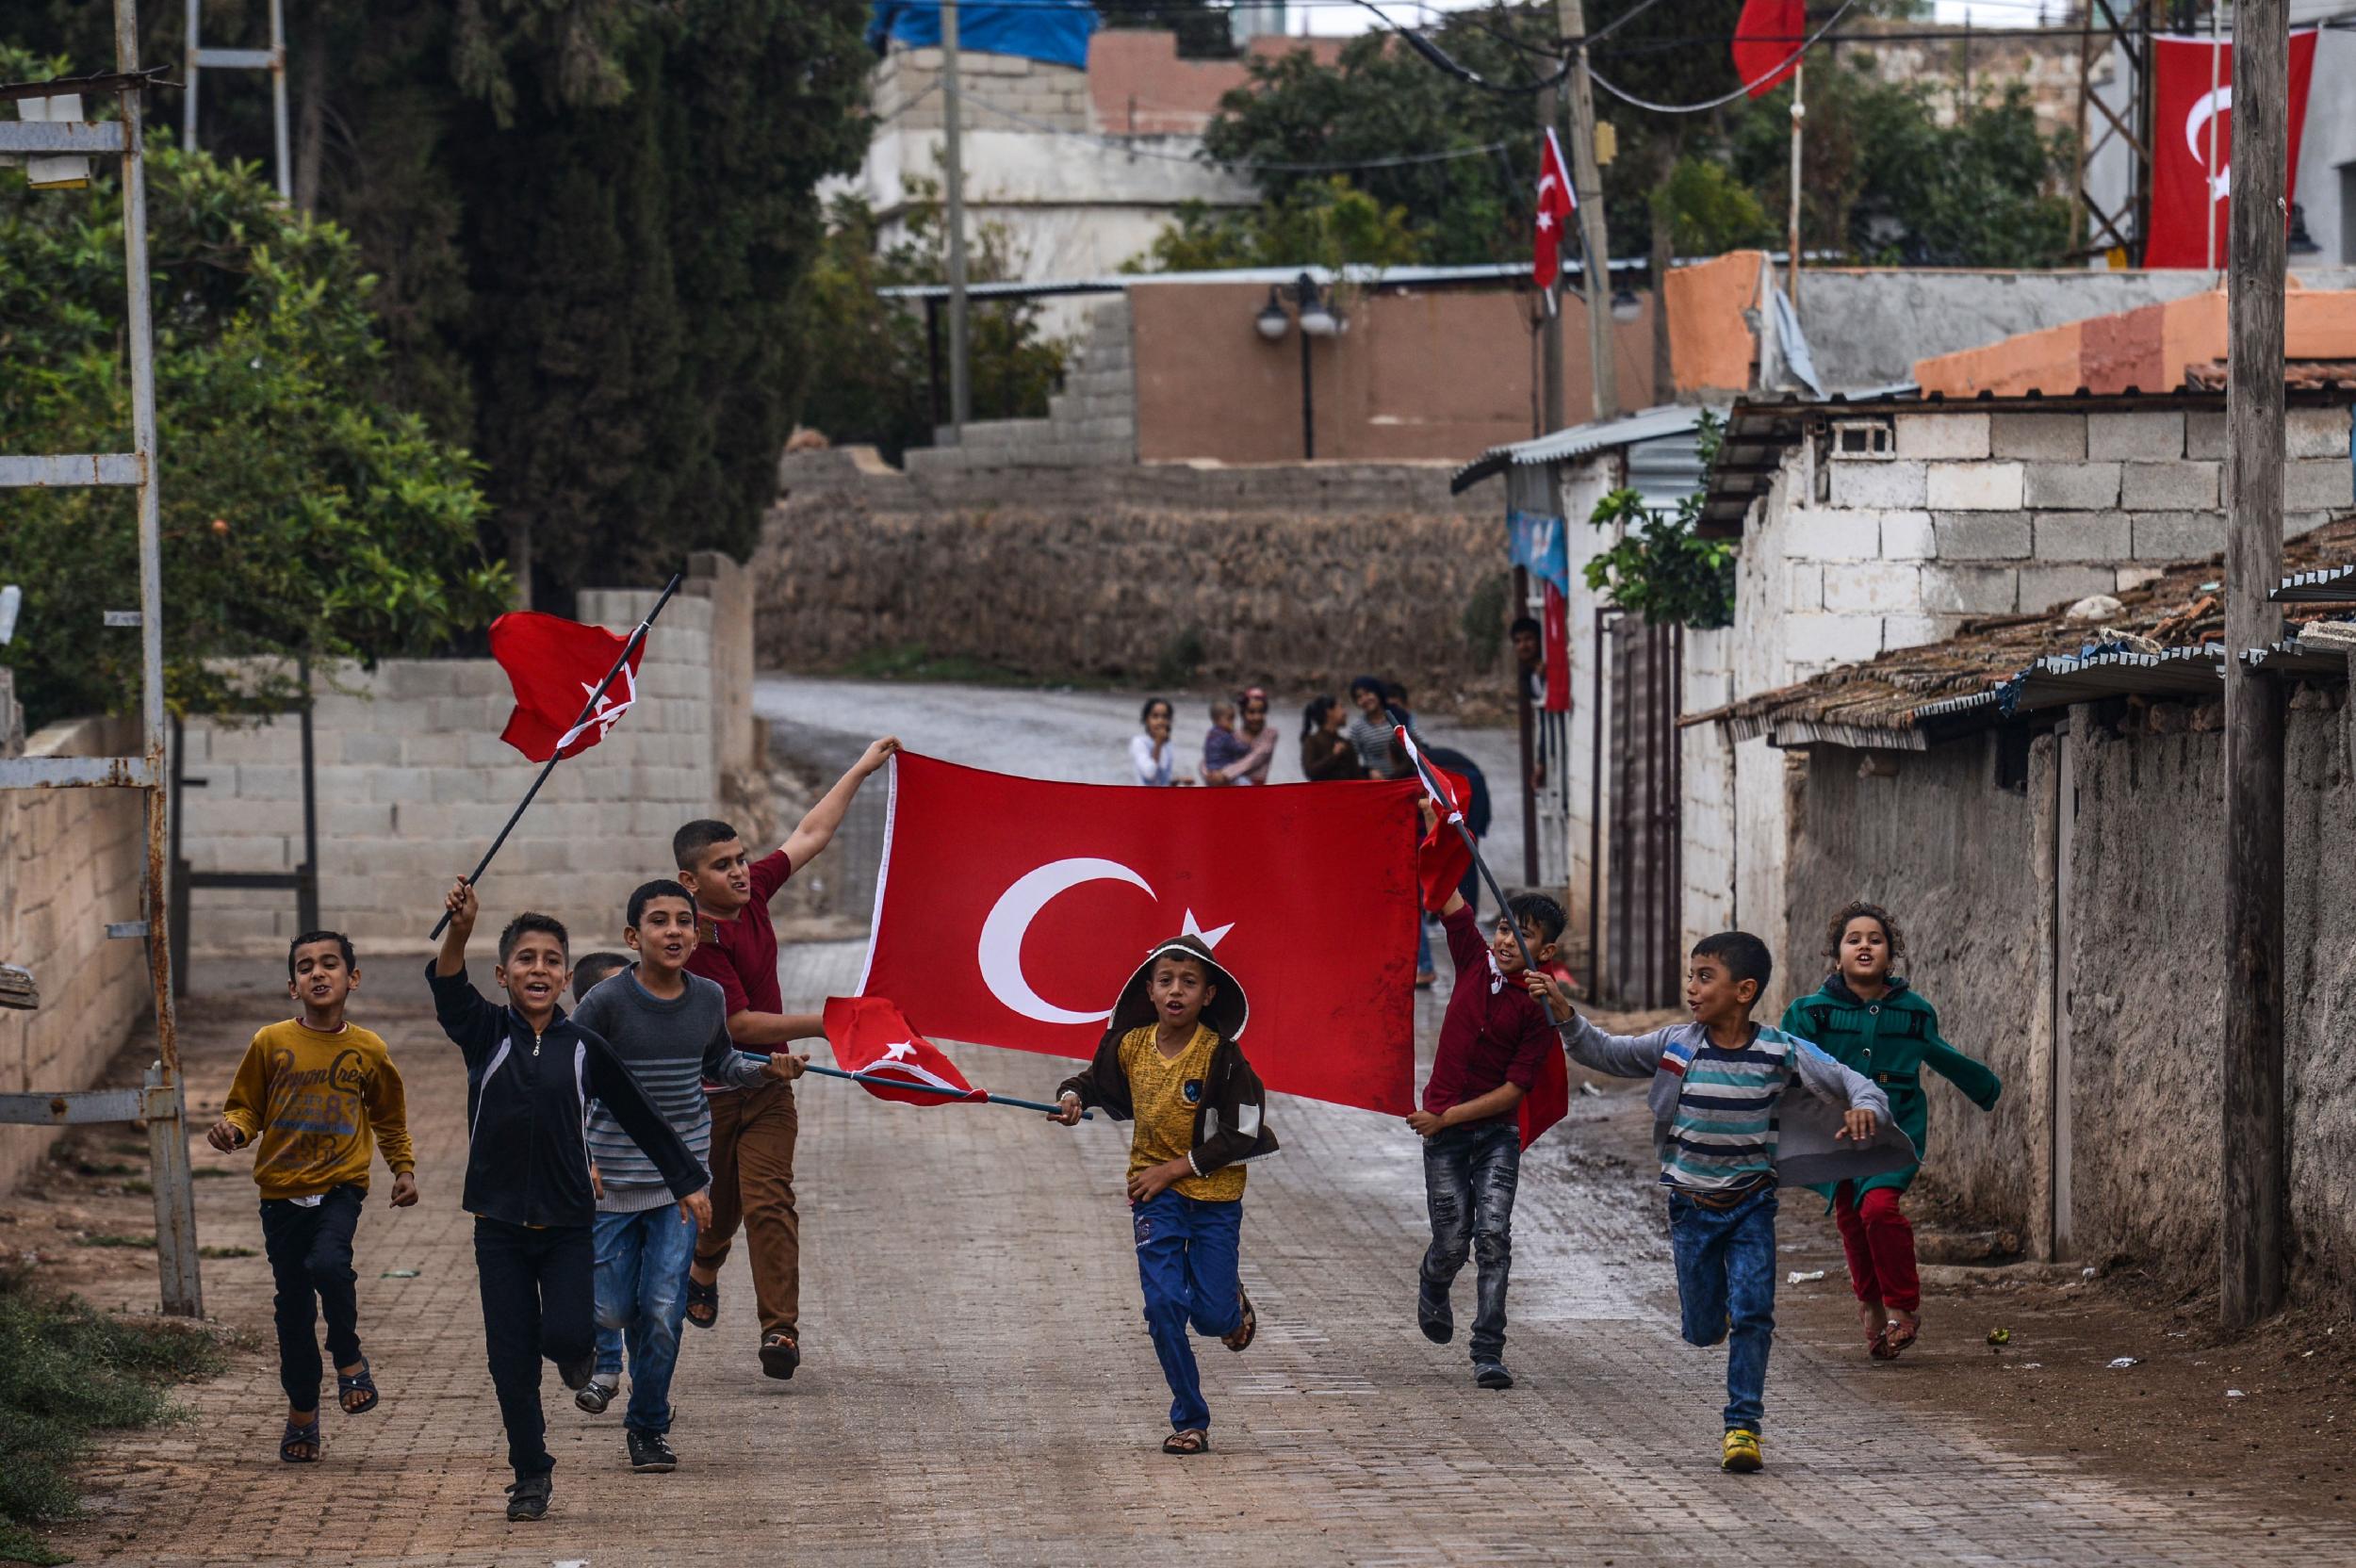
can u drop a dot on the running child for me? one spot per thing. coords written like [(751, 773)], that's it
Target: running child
[(530, 1075), (1729, 1132), (1867, 1018), (1169, 1061), (1494, 1038), (318, 1094), (670, 1029)]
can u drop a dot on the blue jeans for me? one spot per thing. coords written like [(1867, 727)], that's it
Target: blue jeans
[(1469, 1177), (1726, 1290), (1186, 1257), (642, 1299), (1423, 945)]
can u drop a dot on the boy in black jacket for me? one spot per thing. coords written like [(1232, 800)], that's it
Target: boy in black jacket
[(1170, 1061), (531, 1073)]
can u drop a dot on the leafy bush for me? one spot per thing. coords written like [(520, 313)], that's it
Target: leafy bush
[(1659, 569)]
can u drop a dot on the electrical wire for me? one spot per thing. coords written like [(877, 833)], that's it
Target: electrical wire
[(1464, 74), (1720, 102)]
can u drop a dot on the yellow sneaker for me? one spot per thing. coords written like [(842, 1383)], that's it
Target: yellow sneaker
[(1742, 1452)]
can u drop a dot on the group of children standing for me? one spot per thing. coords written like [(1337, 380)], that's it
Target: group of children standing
[(613, 1152)]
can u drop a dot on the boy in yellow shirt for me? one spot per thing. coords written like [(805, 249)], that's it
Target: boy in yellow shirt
[(319, 1095), (1170, 1061)]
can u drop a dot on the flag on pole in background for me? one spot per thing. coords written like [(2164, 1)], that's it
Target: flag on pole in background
[(1768, 34), (2185, 189), (1556, 203), (870, 1035), (554, 665)]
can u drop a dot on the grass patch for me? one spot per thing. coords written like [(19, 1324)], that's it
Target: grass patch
[(212, 1172), (228, 1253), (915, 662), (66, 1374), (108, 1238)]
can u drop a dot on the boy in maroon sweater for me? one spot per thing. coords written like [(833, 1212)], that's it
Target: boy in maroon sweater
[(752, 1131), (1493, 1040)]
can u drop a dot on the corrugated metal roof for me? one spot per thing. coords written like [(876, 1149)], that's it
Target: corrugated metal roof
[(2327, 585), (1370, 277), (1653, 424)]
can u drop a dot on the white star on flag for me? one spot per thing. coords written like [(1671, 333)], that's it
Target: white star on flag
[(1210, 938)]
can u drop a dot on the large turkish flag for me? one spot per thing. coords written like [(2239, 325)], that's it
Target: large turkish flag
[(2185, 189), (1010, 911)]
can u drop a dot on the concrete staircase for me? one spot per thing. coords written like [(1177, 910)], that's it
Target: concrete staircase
[(1092, 421)]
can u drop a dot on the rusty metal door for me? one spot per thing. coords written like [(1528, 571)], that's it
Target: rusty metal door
[(1639, 966)]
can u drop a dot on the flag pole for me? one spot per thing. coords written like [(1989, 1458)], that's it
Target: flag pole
[(946, 1094), (588, 710), (1472, 846)]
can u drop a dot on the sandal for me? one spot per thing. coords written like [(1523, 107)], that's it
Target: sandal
[(704, 1300), (360, 1382), (1188, 1442), (779, 1355), (1901, 1334), (1245, 1327), (292, 1446)]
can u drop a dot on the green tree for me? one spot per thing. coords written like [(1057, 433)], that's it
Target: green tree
[(1327, 223), (301, 513), (1660, 567)]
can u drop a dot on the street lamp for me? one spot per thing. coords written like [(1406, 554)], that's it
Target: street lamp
[(1626, 305), (1317, 319)]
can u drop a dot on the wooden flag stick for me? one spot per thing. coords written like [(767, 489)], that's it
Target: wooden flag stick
[(588, 712)]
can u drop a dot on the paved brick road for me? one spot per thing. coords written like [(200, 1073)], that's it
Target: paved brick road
[(980, 1389)]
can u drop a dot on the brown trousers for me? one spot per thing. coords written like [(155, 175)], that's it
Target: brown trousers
[(752, 1184)]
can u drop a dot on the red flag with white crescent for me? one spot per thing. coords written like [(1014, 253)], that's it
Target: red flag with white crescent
[(1016, 908), (2188, 187), (1557, 201), (554, 666), (871, 1036)]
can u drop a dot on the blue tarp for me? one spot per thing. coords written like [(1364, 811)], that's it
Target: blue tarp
[(1036, 29)]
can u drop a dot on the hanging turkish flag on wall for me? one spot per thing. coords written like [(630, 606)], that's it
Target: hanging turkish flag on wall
[(554, 664), (1016, 909), (2188, 187), (871, 1036), (1556, 203), (1768, 34)]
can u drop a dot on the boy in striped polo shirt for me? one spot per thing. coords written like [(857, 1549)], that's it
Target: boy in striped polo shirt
[(670, 1029), (1728, 1134)]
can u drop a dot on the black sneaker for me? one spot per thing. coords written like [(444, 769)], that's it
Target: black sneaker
[(1433, 1315), (528, 1498), (650, 1454), (1492, 1373), (577, 1373), (596, 1394)]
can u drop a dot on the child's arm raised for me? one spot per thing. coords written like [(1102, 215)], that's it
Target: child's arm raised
[(240, 1121), (474, 1025), (1835, 1085), (817, 828)]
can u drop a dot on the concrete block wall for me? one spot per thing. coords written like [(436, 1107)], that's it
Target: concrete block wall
[(904, 89), (71, 861), (414, 782), (1093, 420)]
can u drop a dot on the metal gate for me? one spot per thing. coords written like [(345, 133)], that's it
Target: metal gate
[(1636, 964)]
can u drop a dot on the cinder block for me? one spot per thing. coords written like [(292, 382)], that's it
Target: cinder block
[(1942, 436), (2317, 433), (1911, 631), (2136, 576), (2051, 587), (2178, 535), (1981, 535), (2204, 434), (1970, 590), (360, 747), (2045, 437), (2085, 484), (1898, 482), (2083, 536), (2183, 486), (1907, 536), (1832, 639), (433, 751), (1974, 486), (2313, 482), (1822, 534), (1873, 587), (401, 784), (2144, 433)]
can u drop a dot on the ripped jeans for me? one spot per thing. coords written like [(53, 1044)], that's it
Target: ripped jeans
[(1469, 1175)]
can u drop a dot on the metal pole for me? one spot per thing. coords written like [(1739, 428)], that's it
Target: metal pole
[(1526, 725), (168, 1131), (278, 99), (1305, 291), (188, 68), (307, 889), (953, 172), (2253, 1186), (1595, 244), (968, 1096), (2208, 170), (1792, 241)]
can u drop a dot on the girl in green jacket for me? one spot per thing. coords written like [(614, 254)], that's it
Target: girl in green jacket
[(1866, 1018)]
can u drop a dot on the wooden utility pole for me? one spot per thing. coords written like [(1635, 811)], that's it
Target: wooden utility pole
[(953, 173), (1551, 300), (2255, 1185), (1587, 180), (1792, 241)]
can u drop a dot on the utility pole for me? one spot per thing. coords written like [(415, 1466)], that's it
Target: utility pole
[(1549, 303), (1587, 180), (2254, 1188), (1792, 241), (953, 170)]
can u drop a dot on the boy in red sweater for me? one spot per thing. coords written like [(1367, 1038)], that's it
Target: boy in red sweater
[(1494, 1038)]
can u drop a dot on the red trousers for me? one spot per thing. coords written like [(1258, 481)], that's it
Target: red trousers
[(1880, 1244)]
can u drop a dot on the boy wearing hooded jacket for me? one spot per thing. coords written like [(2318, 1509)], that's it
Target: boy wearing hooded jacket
[(1169, 1061)]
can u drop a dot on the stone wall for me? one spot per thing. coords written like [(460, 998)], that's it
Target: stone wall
[(905, 89), (1296, 576), (71, 861), (1092, 420), (413, 782)]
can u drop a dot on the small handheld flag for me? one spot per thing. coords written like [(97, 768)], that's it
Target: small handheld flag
[(872, 1039)]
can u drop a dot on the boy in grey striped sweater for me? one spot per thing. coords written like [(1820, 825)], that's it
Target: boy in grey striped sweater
[(670, 1029)]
